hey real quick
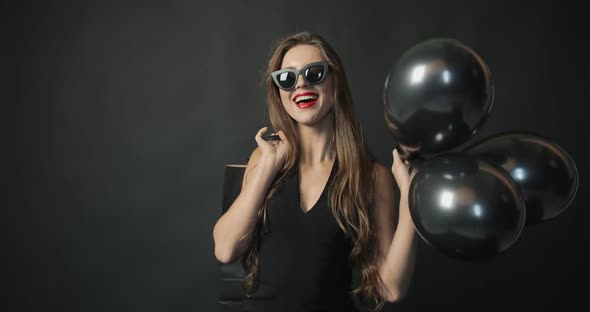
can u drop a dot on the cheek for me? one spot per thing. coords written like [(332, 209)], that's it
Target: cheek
[(284, 96), (328, 102), (329, 90), (329, 97)]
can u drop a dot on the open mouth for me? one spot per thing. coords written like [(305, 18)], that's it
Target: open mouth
[(305, 99)]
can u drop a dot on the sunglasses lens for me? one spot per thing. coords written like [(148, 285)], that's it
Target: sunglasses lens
[(314, 74), (286, 80)]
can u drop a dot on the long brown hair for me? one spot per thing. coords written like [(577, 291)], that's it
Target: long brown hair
[(351, 193)]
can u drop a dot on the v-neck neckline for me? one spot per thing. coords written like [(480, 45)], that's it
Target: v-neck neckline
[(298, 180)]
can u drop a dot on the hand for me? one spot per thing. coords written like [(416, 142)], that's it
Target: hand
[(275, 152), (401, 172)]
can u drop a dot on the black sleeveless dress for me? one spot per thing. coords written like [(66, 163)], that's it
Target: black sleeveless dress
[(304, 256)]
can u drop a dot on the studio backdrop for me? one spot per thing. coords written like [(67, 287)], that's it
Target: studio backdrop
[(129, 112)]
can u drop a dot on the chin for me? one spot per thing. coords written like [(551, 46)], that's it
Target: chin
[(310, 121)]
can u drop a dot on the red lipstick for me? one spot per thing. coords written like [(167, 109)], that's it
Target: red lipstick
[(312, 98)]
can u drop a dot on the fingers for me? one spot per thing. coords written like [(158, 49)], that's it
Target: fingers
[(397, 158), (400, 170), (261, 142), (283, 137), (260, 133), (264, 143), (400, 167)]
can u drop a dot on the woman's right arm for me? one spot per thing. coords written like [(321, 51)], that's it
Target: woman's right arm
[(233, 231)]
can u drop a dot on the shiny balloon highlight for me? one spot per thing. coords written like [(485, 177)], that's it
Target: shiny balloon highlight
[(465, 207), (471, 203), (437, 96), (546, 173)]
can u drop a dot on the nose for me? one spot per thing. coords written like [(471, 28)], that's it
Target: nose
[(301, 82)]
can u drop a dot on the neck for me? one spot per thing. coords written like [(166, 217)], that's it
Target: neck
[(316, 143)]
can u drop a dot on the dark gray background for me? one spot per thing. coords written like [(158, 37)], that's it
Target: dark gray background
[(129, 110)]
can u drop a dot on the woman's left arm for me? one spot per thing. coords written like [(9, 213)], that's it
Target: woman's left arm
[(396, 247)]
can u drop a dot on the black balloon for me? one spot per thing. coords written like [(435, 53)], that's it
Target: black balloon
[(465, 207), (545, 172), (437, 96)]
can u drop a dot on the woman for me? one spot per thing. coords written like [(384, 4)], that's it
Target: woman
[(316, 202)]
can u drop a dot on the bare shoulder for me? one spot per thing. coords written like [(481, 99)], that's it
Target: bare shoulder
[(381, 173), (384, 205), (254, 157), (385, 190)]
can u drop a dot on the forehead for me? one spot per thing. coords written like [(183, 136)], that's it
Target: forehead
[(301, 55)]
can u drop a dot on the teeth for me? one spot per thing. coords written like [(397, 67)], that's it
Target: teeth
[(305, 97)]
